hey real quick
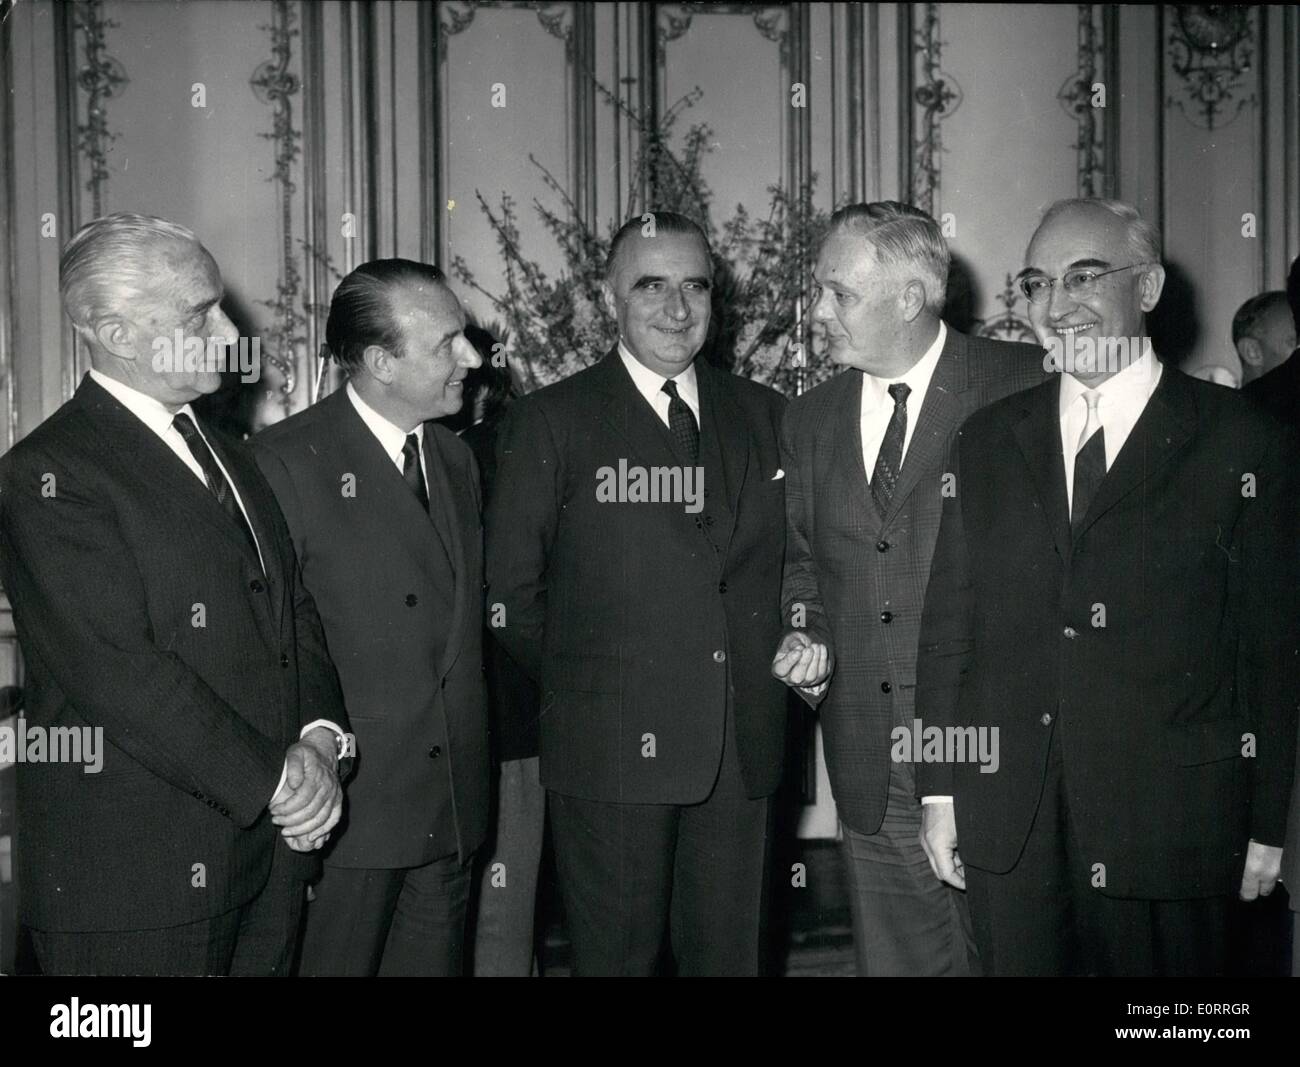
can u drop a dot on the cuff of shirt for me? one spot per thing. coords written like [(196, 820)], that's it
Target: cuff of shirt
[(936, 800), (284, 771), (815, 690)]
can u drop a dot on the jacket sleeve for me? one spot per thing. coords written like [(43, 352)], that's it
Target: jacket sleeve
[(801, 599), (523, 516), (947, 637), (80, 602)]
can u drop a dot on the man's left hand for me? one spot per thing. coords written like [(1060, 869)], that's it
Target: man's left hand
[(311, 802)]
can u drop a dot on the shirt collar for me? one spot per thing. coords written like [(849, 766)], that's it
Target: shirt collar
[(875, 390), (153, 413), (650, 384), (1131, 386), (391, 436)]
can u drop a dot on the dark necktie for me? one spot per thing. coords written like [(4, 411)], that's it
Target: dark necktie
[(1089, 463), (889, 460), (199, 449), (681, 420), (413, 470)]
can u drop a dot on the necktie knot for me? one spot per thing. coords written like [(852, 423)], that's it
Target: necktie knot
[(670, 387), (900, 391)]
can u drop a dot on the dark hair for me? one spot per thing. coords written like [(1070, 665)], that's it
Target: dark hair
[(1253, 310), (1293, 291), (664, 222), (361, 311)]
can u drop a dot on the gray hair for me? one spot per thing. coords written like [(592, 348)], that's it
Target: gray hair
[(1143, 238), (114, 261), (901, 236)]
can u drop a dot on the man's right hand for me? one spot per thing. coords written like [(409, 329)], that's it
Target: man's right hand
[(802, 663), (939, 839)]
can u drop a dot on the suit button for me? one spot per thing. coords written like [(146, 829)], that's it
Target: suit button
[(435, 752), (1046, 720), (722, 587), (708, 520), (699, 525), (885, 687), (198, 795), (1070, 632), (886, 616), (719, 656), (284, 660), (882, 546), (257, 585), (225, 813), (411, 600), (444, 683)]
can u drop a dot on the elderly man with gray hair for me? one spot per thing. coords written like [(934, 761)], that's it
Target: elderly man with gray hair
[(158, 603), (866, 456)]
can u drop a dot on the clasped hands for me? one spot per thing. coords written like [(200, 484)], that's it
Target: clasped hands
[(802, 663), (310, 803)]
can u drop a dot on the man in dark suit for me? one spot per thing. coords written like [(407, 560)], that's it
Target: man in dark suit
[(157, 599), (383, 505), (635, 537), (1278, 391), (1112, 607), (858, 554)]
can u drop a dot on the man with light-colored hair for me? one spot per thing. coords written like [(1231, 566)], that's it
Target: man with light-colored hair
[(156, 597), (866, 456), (1114, 596)]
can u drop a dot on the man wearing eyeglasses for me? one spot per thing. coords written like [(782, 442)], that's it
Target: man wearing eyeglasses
[(1114, 593)]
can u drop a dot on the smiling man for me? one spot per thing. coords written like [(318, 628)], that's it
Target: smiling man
[(649, 626), (860, 547), (1115, 590), (383, 505)]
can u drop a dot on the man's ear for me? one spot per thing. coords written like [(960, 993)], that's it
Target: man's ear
[(115, 336), (911, 299), (1251, 352), (1151, 285), (379, 362)]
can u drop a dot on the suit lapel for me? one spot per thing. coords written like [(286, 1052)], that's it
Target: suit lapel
[(456, 507), (1166, 424), (846, 425), (725, 446), (140, 449), (628, 414), (1038, 433), (940, 414)]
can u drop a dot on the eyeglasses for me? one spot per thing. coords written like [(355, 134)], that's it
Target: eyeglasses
[(1078, 283)]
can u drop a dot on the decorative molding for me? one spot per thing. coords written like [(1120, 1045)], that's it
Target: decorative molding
[(1008, 326), (773, 22), (101, 78), (934, 95), (1211, 48), (275, 84), (459, 15), (1076, 98)]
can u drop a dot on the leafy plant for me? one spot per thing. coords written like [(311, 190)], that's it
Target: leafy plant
[(558, 324)]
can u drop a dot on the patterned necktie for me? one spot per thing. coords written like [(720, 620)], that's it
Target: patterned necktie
[(889, 460), (217, 483), (681, 420), (1089, 462), (413, 470)]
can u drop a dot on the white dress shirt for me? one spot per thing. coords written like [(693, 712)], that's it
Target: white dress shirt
[(651, 386), (390, 436), (158, 417), (1121, 400), (878, 406)]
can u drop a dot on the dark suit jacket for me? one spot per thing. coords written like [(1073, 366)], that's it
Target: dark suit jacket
[(514, 701), (1196, 582), (403, 618), (850, 570), (142, 609), (641, 618), (1278, 391)]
